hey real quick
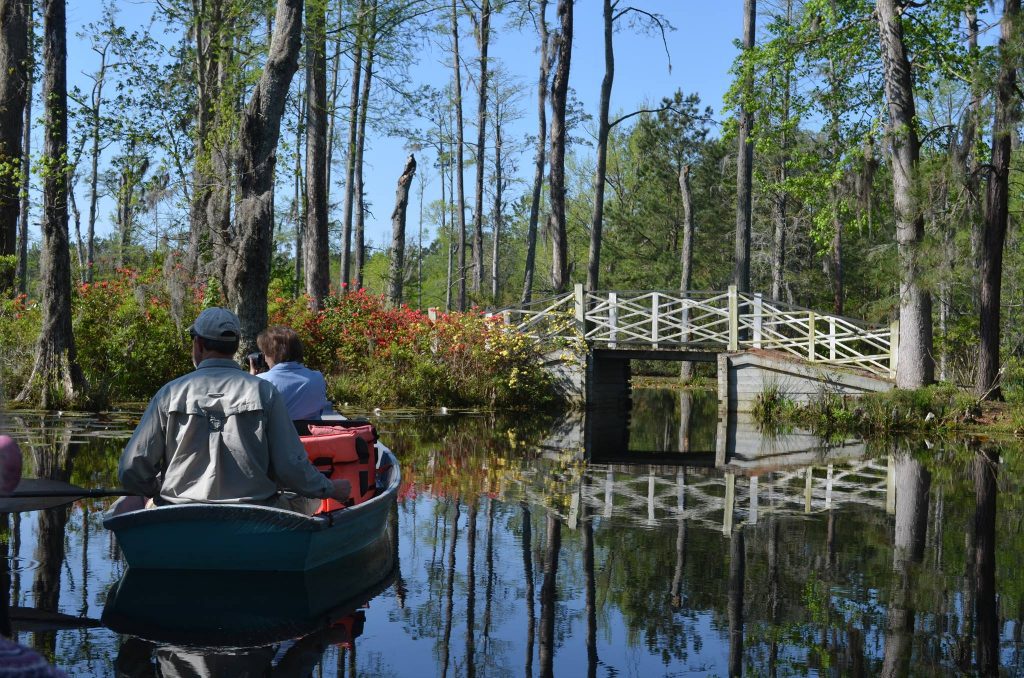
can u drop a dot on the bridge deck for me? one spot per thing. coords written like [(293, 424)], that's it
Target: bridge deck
[(706, 323)]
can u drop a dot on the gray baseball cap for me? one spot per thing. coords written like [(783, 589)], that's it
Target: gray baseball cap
[(217, 323)]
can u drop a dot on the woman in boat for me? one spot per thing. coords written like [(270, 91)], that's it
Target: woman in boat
[(304, 390)]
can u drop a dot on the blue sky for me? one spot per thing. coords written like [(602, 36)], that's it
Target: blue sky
[(702, 49)]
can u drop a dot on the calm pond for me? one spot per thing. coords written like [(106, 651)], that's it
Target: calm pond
[(663, 542)]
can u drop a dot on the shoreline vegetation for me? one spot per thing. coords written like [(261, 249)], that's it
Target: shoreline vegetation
[(131, 337), (941, 408)]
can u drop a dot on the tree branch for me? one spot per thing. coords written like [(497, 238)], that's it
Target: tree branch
[(657, 21)]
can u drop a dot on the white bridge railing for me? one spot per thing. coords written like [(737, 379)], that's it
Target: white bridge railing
[(710, 321)]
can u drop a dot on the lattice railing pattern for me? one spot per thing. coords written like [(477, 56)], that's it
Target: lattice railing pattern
[(718, 321), (724, 501)]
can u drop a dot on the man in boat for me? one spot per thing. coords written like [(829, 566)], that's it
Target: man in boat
[(220, 435), (304, 390)]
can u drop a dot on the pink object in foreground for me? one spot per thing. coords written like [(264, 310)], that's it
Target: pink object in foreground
[(10, 464), (23, 662)]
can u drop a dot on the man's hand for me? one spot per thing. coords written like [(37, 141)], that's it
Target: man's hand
[(342, 490)]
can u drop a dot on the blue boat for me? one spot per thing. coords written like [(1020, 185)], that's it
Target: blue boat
[(245, 537)]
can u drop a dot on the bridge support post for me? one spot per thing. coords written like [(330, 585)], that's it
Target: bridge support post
[(655, 307), (613, 319), (811, 320), (894, 346), (734, 319), (831, 338), (758, 305)]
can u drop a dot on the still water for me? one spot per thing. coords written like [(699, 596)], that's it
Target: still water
[(662, 542)]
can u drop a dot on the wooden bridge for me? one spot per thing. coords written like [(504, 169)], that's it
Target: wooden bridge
[(698, 326), (709, 321)]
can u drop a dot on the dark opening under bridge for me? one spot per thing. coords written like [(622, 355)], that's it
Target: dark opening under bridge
[(755, 341)]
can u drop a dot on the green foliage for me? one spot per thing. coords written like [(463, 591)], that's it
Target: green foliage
[(130, 337), (19, 327), (773, 407)]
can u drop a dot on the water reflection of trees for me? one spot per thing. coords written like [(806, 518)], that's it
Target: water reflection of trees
[(78, 449), (852, 590), (505, 565)]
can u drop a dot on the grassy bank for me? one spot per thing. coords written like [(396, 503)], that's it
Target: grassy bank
[(941, 408)]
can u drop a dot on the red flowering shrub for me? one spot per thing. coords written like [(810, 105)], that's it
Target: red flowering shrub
[(378, 356), (130, 336)]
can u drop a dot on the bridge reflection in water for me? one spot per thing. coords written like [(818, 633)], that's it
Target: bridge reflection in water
[(730, 476)]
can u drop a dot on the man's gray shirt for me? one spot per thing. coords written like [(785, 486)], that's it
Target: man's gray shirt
[(219, 435)]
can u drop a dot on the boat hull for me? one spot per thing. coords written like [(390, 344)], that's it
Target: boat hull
[(247, 537), (246, 609)]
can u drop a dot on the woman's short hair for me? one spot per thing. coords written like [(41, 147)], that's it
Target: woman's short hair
[(281, 344)]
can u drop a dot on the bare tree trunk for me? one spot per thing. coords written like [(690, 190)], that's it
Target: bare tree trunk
[(686, 256), (997, 216), (316, 250), (221, 159), (542, 131), (364, 106), (745, 157), (94, 173), (26, 158), (208, 26), (332, 98), (597, 219), (350, 156), (299, 201), (76, 215), (397, 274), (837, 266), (132, 174), (967, 155), (249, 270), (559, 95), (781, 196), (459, 146), (15, 90), (483, 38), (56, 378), (445, 174), (499, 181), (779, 244), (915, 365)]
